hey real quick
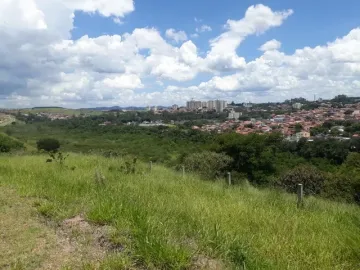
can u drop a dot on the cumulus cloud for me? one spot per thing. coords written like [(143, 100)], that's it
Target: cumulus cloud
[(177, 36), (257, 20), (270, 45), (124, 81), (40, 65), (323, 70)]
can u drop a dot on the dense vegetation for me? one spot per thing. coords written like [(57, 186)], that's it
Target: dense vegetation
[(264, 160), (163, 220), (8, 144), (48, 145)]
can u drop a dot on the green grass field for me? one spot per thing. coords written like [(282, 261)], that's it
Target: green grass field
[(165, 221)]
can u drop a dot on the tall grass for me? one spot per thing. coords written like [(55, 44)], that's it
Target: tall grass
[(165, 221)]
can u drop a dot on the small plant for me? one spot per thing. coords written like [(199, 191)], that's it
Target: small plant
[(129, 167), (99, 178), (58, 157)]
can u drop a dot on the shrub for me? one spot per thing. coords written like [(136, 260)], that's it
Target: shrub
[(8, 144), (311, 178), (345, 184), (209, 165), (48, 145)]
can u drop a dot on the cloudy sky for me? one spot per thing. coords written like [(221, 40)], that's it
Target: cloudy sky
[(85, 53)]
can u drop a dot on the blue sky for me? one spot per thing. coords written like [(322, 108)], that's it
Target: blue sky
[(313, 22), (91, 60)]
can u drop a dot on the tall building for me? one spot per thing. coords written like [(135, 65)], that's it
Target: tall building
[(220, 105), (211, 105), (193, 105)]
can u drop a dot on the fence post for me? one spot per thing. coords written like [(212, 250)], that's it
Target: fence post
[(229, 178), (183, 170), (150, 166), (300, 195)]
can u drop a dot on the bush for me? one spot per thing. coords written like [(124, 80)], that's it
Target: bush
[(311, 178), (345, 184), (209, 165), (8, 144), (48, 145)]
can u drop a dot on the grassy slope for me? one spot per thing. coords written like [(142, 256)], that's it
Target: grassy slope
[(6, 119), (165, 221), (26, 145)]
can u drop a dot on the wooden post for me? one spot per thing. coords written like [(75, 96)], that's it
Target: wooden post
[(300, 195), (229, 178), (150, 166), (183, 171)]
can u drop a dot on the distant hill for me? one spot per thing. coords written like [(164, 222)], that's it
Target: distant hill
[(129, 108), (35, 108)]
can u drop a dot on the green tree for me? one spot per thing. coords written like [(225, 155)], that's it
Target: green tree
[(311, 178), (209, 165), (298, 128), (48, 145)]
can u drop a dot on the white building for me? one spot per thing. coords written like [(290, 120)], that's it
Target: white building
[(220, 105), (297, 106), (234, 115), (211, 104)]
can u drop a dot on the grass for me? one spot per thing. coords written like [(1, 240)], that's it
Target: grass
[(165, 221)]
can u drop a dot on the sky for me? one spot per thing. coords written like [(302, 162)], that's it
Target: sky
[(86, 53)]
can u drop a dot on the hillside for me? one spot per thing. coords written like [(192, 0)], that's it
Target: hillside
[(161, 220), (6, 119)]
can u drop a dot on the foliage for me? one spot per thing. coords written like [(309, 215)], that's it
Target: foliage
[(48, 145), (251, 154), (345, 183), (58, 157), (129, 167), (8, 144), (311, 178), (262, 159), (209, 165)]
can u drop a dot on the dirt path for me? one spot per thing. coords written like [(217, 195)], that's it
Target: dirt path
[(26, 242)]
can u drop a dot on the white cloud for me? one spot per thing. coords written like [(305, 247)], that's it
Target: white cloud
[(270, 45), (195, 35), (118, 21), (177, 36), (257, 20), (323, 70), (203, 28), (124, 81), (29, 16), (41, 66)]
